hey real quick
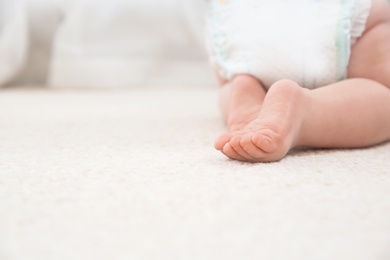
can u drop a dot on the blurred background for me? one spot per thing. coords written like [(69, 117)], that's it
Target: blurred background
[(103, 43)]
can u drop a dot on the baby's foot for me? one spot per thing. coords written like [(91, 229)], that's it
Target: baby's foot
[(245, 99), (274, 131)]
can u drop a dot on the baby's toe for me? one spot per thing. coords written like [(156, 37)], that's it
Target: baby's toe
[(222, 140)]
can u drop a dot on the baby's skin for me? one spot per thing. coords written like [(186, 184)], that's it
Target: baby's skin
[(263, 126)]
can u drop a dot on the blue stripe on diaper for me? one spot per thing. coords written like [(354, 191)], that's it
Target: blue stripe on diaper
[(343, 37)]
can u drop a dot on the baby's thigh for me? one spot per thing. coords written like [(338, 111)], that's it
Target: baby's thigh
[(379, 12), (370, 56)]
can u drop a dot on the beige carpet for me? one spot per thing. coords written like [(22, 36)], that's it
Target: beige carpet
[(132, 174)]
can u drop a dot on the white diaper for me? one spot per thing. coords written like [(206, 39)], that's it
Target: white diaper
[(308, 41)]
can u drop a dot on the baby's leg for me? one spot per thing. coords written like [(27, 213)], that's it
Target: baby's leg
[(351, 113), (361, 104)]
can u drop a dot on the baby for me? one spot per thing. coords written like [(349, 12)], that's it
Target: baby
[(312, 73)]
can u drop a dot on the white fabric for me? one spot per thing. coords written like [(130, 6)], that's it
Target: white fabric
[(306, 41), (13, 39), (102, 43), (106, 175)]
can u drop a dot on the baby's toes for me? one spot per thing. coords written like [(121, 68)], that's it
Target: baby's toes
[(253, 151), (237, 144), (229, 151), (267, 140)]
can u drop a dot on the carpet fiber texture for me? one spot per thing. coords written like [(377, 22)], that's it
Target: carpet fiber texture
[(132, 174)]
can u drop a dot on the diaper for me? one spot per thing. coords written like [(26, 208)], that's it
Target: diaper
[(308, 41)]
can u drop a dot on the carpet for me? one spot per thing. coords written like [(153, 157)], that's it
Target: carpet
[(132, 174)]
